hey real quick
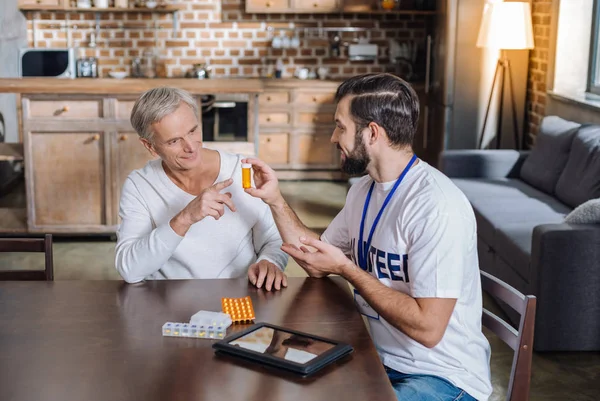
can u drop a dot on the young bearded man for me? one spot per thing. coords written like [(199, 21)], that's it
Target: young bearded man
[(405, 239)]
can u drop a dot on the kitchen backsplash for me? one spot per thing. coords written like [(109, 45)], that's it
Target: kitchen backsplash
[(231, 41)]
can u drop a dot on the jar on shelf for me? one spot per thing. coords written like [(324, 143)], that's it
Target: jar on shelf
[(148, 64), (84, 3), (389, 4)]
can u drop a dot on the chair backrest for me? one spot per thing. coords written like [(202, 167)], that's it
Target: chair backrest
[(29, 245), (521, 340)]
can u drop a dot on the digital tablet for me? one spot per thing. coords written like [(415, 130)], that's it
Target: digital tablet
[(278, 347)]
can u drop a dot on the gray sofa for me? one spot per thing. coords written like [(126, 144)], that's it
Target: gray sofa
[(520, 200)]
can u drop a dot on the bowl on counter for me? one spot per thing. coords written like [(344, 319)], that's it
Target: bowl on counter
[(117, 74)]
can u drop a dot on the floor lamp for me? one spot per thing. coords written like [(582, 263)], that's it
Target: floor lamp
[(505, 26)]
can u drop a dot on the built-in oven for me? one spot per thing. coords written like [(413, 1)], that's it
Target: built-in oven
[(225, 118)]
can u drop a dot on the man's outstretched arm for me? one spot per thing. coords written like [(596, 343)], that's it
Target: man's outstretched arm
[(267, 188)]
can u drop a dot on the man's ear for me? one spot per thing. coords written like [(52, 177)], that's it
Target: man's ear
[(376, 132), (148, 145)]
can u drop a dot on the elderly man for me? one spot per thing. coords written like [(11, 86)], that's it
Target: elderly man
[(177, 223)]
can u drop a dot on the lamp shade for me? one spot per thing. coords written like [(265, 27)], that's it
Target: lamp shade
[(506, 26)]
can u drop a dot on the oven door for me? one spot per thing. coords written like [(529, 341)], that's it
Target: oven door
[(231, 121)]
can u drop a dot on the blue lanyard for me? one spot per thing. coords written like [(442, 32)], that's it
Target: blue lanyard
[(364, 251)]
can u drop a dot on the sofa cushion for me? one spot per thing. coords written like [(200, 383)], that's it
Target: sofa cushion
[(513, 245), (580, 180), (496, 188), (550, 154), (492, 213)]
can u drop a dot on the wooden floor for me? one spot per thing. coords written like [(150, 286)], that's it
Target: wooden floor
[(13, 220)]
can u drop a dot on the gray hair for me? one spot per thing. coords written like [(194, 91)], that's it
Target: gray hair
[(154, 105)]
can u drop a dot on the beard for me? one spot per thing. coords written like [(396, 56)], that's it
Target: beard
[(356, 161)]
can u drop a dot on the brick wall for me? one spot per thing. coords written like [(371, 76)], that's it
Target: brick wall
[(222, 34), (538, 65)]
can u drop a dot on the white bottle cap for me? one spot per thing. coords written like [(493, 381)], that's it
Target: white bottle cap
[(246, 165)]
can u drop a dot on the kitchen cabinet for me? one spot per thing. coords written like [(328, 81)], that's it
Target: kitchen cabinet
[(79, 149), (127, 154), (54, 3), (315, 150), (293, 6), (295, 124), (66, 180), (316, 6), (274, 149), (267, 6)]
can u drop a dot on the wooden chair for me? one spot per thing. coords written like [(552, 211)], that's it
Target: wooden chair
[(29, 245), (520, 341)]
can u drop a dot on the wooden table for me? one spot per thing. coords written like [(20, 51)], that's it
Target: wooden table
[(101, 340)]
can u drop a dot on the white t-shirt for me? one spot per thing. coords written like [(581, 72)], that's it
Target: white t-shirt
[(425, 246), (148, 248)]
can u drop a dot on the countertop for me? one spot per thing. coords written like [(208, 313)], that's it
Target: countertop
[(137, 85), (103, 86)]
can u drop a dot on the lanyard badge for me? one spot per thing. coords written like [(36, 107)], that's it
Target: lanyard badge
[(363, 250)]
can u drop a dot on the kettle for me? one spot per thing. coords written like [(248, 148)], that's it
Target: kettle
[(198, 71)]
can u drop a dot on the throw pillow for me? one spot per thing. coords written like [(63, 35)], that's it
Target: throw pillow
[(580, 180), (586, 213), (550, 153)]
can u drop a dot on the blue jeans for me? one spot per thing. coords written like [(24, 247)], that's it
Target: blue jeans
[(425, 388)]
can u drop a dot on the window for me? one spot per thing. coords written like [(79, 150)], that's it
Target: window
[(594, 70)]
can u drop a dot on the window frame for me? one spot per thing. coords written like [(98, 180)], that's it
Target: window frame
[(593, 82)]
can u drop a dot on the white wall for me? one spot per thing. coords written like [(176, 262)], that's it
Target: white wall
[(13, 35)]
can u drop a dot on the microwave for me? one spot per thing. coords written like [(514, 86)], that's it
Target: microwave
[(59, 63)]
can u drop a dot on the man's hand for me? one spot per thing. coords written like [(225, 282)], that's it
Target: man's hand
[(327, 259), (265, 272), (211, 202), (267, 185)]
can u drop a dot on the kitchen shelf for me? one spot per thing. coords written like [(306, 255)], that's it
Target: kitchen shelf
[(391, 12), (162, 10)]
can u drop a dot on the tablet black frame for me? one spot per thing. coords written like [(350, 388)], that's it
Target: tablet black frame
[(338, 351)]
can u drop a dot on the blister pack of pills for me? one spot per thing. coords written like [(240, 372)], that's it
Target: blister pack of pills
[(240, 309)]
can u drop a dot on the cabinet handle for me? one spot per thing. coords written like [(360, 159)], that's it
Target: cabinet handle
[(268, 98), (268, 139), (63, 109), (315, 119), (38, 1), (96, 137), (315, 5), (315, 99), (123, 137), (268, 119), (268, 4)]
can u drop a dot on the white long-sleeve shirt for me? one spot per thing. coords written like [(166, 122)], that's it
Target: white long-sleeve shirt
[(148, 248)]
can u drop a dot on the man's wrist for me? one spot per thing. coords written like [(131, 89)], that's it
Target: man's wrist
[(278, 203), (180, 223), (347, 268)]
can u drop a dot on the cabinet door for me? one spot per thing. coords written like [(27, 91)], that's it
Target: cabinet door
[(316, 6), (267, 6), (67, 181), (273, 149), (315, 150), (40, 3), (128, 154)]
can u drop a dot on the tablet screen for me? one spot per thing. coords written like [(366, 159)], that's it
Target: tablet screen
[(282, 344)]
